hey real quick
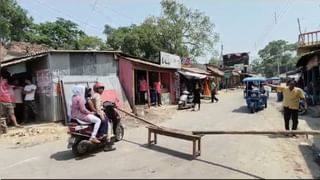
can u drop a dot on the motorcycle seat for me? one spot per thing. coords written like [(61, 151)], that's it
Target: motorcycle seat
[(78, 121)]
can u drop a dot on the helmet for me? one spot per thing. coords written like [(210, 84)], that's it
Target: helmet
[(98, 85)]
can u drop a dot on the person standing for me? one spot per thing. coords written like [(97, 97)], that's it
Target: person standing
[(291, 98), (196, 99), (143, 88), (6, 99), (29, 100), (213, 91), (157, 86)]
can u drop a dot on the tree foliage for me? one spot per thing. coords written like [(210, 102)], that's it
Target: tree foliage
[(276, 54), (179, 30), (59, 34), (91, 42), (14, 22)]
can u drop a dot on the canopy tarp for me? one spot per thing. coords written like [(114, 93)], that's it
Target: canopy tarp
[(274, 78), (191, 75), (250, 79)]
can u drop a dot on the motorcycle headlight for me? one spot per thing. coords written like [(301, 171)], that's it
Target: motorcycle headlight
[(253, 95)]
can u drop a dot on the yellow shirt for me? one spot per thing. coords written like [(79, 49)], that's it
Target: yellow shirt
[(291, 98)]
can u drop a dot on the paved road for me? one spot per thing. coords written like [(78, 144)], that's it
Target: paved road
[(223, 156)]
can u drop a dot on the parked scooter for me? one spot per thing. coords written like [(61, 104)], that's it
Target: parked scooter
[(185, 101), (80, 132)]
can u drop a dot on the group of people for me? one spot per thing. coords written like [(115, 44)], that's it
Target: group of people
[(197, 94), (155, 93), (16, 100), (87, 106)]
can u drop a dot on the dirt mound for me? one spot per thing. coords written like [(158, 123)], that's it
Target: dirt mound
[(33, 135)]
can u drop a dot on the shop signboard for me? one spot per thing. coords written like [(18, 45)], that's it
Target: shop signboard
[(170, 60)]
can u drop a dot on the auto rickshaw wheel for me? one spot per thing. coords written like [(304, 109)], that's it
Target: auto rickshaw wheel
[(252, 109)]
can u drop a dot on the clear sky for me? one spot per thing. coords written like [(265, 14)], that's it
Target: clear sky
[(243, 25)]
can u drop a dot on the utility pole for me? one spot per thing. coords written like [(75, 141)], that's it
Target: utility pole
[(221, 54), (299, 25)]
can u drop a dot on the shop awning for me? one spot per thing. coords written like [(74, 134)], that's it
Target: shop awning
[(234, 73), (22, 59), (304, 59), (196, 70), (191, 75), (216, 71)]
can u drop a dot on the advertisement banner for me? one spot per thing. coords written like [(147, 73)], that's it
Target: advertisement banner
[(170, 60)]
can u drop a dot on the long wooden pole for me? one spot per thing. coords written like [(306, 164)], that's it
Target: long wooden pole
[(141, 119), (310, 132)]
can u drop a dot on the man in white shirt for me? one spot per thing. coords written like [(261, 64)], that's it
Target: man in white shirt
[(29, 100)]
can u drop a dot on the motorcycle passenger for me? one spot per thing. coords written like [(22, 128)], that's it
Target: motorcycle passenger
[(79, 111), (90, 106)]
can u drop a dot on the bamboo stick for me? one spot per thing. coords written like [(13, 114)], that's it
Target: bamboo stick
[(136, 117), (255, 132)]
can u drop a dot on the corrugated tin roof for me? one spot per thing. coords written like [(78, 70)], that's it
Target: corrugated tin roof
[(234, 73), (21, 59), (304, 59), (195, 70), (215, 70), (141, 61), (84, 51)]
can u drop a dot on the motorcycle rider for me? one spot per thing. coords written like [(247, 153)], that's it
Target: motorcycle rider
[(79, 111), (102, 133), (98, 104)]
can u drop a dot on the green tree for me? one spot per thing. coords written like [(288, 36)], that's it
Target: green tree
[(277, 57), (214, 61), (91, 42), (256, 66), (59, 34), (14, 22), (179, 30)]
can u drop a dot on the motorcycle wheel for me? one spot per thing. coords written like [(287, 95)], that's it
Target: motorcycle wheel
[(80, 148), (301, 111), (119, 132)]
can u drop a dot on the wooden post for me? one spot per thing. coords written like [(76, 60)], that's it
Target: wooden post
[(149, 136), (155, 137), (199, 146), (148, 92), (194, 149)]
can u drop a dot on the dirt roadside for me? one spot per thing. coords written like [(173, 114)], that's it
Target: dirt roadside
[(36, 134)]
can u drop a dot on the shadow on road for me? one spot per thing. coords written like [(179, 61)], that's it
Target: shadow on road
[(163, 150), (62, 155), (68, 155), (309, 156), (229, 168), (242, 109), (274, 136), (189, 157)]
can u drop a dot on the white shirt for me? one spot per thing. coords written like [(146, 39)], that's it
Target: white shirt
[(30, 96)]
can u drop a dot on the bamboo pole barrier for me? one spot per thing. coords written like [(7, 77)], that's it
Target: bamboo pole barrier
[(305, 132), (136, 117)]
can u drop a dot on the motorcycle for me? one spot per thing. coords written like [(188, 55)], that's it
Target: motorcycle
[(302, 108), (80, 132), (185, 101)]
